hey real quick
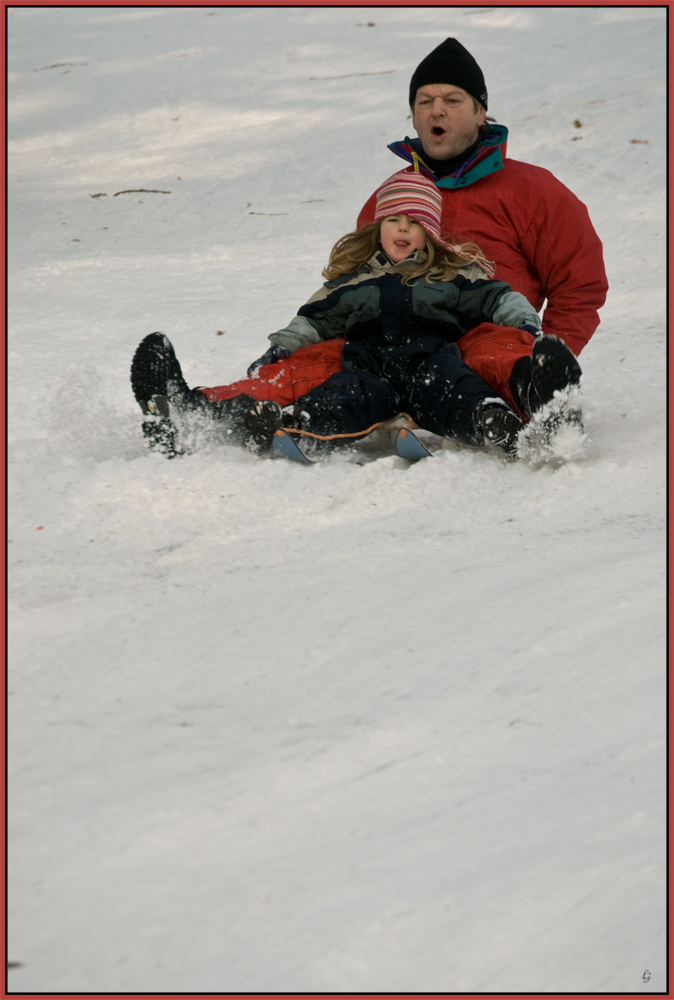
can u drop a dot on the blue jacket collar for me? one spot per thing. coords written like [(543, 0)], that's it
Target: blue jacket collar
[(487, 158)]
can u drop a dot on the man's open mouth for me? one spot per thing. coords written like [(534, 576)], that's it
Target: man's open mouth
[(437, 130)]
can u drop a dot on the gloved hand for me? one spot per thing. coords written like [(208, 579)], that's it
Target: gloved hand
[(529, 328), (272, 354)]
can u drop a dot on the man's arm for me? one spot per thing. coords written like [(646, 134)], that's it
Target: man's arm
[(565, 252), (481, 300)]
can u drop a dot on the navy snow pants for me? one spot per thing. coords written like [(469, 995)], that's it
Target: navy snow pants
[(427, 380)]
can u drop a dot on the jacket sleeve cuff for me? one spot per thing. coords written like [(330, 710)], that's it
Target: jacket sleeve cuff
[(298, 333)]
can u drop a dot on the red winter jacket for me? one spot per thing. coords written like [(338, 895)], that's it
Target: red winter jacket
[(537, 231)]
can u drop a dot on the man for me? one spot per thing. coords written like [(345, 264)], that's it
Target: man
[(523, 218)]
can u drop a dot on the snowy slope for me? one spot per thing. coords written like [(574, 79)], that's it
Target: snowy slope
[(363, 726)]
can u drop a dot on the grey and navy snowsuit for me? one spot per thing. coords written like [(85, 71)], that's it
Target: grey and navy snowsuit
[(401, 353)]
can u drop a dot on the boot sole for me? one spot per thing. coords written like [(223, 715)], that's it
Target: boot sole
[(501, 429), (149, 375), (553, 368)]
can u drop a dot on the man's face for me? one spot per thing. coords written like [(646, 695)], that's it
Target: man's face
[(445, 119)]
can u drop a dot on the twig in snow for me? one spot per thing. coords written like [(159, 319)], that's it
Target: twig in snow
[(379, 72), (140, 191), (56, 65)]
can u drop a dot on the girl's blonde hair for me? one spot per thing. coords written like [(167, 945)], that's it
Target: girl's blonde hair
[(356, 248)]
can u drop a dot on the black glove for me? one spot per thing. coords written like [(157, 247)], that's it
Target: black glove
[(530, 328), (274, 353)]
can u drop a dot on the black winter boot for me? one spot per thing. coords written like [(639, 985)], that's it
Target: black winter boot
[(555, 373), (261, 420), (158, 384), (499, 426), (551, 368), (251, 422), (155, 371), (545, 388)]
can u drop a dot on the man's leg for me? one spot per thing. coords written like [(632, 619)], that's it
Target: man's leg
[(493, 352), (524, 370), (160, 389), (286, 380)]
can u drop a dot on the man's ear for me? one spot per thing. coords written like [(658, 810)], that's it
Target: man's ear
[(482, 114)]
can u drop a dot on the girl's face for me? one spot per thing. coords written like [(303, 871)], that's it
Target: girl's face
[(400, 236)]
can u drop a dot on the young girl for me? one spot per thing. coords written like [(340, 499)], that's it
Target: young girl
[(397, 299)]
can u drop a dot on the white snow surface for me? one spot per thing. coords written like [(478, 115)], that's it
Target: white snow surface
[(358, 726)]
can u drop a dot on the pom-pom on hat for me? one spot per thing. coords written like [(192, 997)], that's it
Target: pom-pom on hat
[(414, 194), (450, 63)]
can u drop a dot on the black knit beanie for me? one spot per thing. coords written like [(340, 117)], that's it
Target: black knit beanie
[(450, 63)]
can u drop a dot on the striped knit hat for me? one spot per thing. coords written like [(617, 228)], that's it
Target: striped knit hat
[(414, 194)]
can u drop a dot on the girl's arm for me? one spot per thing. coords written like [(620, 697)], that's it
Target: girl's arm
[(494, 301), (298, 333), (323, 317), (514, 310)]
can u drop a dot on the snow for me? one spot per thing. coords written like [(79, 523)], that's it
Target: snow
[(358, 726)]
